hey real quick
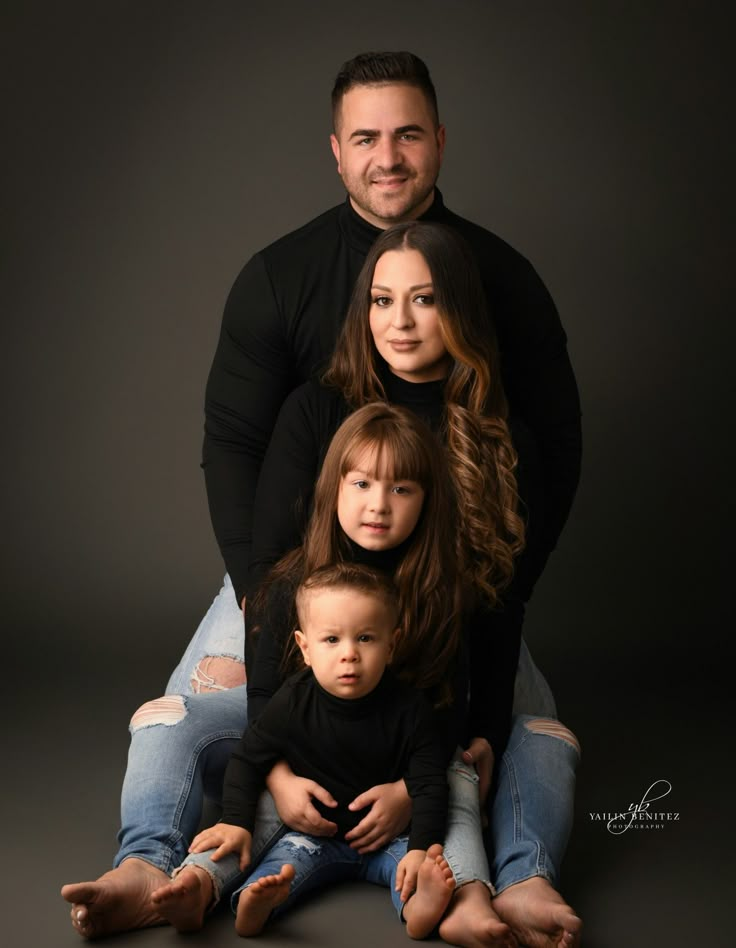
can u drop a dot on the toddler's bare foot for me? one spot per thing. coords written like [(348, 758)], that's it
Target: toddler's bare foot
[(258, 901), (435, 885), (472, 923), (118, 901), (538, 915), (184, 901)]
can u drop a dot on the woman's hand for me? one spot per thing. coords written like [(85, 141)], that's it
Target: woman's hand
[(293, 798), (480, 754), (390, 813), (224, 838)]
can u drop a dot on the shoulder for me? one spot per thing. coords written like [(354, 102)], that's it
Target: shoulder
[(282, 262), (306, 241), (490, 249)]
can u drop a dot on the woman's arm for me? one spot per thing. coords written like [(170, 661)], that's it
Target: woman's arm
[(494, 637)]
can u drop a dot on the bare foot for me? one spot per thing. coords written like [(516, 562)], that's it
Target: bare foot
[(258, 901), (538, 915), (184, 901), (118, 901), (472, 923), (435, 885)]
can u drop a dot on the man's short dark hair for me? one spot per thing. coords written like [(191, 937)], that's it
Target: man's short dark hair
[(379, 69)]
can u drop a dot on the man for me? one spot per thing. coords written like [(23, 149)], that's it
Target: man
[(279, 327)]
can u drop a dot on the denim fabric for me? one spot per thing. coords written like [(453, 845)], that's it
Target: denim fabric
[(226, 873), (464, 850), (463, 847), (320, 861), (221, 633), (532, 810)]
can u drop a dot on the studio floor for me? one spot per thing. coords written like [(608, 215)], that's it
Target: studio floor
[(654, 885)]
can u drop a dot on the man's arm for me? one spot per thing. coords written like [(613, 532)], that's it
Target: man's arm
[(251, 374), (542, 392)]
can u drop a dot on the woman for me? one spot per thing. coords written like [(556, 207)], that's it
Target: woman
[(179, 744)]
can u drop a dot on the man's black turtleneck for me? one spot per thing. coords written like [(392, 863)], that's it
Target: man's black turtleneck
[(279, 327)]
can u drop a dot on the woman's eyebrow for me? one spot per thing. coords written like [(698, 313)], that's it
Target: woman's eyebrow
[(412, 289)]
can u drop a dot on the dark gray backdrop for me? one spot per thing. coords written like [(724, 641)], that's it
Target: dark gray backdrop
[(150, 149)]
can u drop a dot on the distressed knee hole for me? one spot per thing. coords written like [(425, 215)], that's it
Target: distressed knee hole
[(168, 710), (298, 843), (217, 673), (553, 728)]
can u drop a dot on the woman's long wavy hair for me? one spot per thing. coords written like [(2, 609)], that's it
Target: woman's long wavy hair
[(427, 577), (481, 455)]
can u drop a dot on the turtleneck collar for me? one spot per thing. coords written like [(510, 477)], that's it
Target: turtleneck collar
[(426, 399), (356, 707), (361, 235), (387, 561)]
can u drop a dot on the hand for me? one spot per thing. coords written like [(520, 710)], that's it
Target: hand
[(390, 813), (480, 753), (407, 872), (224, 838), (293, 798)]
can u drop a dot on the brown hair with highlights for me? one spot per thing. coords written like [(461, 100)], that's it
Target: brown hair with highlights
[(480, 452)]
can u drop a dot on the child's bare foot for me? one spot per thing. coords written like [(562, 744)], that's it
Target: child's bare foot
[(184, 901), (472, 923), (258, 901), (116, 902), (435, 885), (538, 915)]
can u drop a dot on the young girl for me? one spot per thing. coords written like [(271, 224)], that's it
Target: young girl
[(383, 499)]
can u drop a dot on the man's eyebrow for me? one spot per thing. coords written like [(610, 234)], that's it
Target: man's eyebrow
[(374, 132)]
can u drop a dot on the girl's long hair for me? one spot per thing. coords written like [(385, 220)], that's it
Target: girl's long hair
[(427, 577), (481, 455)]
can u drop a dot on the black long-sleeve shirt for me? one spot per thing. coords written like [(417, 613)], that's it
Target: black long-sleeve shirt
[(347, 746), (305, 426), (279, 327)]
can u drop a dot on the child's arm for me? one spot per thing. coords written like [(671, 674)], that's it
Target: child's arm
[(480, 754), (228, 839), (407, 872)]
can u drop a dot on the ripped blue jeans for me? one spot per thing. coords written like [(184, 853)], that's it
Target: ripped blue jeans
[(463, 844), (180, 745), (321, 861)]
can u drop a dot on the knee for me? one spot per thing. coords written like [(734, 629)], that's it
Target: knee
[(166, 711), (217, 673), (553, 728)]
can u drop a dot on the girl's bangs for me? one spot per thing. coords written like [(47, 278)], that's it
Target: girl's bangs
[(395, 455)]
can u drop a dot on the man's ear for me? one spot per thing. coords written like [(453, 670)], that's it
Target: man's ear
[(335, 145), (301, 641), (441, 140)]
